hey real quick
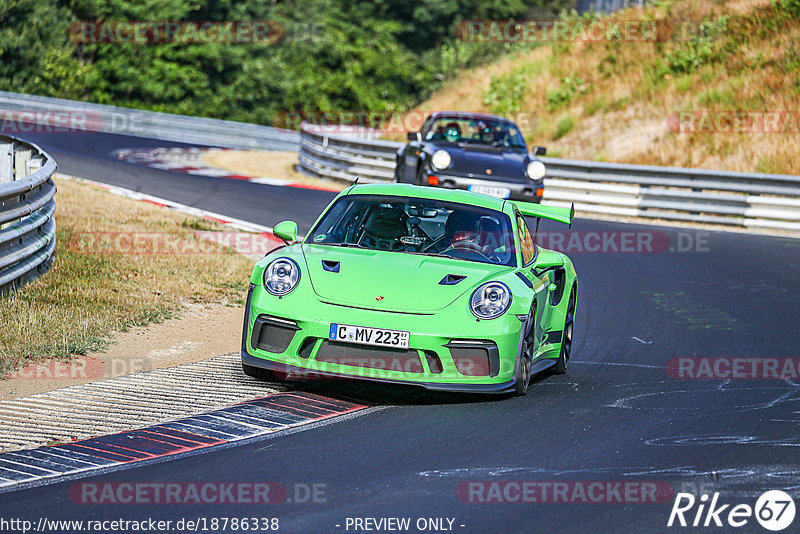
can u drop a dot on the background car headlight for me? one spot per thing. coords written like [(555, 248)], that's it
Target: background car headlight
[(441, 160), (491, 300), (536, 170), (281, 277)]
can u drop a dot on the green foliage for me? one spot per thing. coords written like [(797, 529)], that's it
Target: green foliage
[(698, 50), (791, 62), (791, 7), (596, 105), (563, 95), (34, 49), (716, 97), (565, 125), (337, 55), (505, 93)]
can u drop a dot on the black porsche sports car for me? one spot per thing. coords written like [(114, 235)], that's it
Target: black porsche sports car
[(474, 151)]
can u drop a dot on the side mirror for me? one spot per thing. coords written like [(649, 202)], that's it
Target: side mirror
[(415, 136), (548, 259), (287, 231), (539, 151)]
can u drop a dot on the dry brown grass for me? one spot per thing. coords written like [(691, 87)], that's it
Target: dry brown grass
[(629, 95), (89, 293), (260, 164)]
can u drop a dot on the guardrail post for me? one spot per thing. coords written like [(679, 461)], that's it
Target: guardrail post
[(6, 162), (33, 165), (21, 158)]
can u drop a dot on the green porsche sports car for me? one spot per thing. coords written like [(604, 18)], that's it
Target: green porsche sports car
[(444, 289)]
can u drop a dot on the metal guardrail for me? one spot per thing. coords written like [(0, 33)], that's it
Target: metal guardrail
[(750, 200), (343, 157), (27, 205), (148, 124)]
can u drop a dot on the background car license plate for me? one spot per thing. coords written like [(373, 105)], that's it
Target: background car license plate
[(498, 192), (364, 335)]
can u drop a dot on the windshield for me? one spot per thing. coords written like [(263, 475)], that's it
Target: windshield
[(417, 226), (469, 130)]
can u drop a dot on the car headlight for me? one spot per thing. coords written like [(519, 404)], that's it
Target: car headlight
[(281, 277), (536, 170), (491, 300), (441, 160)]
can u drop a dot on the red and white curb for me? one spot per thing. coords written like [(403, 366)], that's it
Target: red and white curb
[(165, 436), (189, 161)]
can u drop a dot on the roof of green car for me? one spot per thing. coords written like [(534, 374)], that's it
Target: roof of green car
[(436, 193)]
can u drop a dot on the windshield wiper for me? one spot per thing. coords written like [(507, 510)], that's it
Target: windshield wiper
[(439, 255), (353, 245)]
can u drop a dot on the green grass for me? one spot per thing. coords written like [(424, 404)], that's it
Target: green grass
[(564, 94), (91, 292), (565, 125)]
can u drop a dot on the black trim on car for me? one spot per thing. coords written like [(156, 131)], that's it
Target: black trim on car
[(501, 388), (525, 280)]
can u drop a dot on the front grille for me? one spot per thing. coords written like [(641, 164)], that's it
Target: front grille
[(406, 361), (272, 334)]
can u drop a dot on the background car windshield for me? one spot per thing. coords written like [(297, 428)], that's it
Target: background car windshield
[(471, 130), (418, 226)]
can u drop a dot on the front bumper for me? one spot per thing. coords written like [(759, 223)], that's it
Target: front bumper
[(289, 336), (530, 191)]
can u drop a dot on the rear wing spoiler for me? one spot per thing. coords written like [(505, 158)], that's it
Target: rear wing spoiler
[(554, 213)]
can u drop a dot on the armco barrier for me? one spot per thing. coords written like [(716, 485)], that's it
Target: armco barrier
[(148, 124), (750, 200), (27, 205)]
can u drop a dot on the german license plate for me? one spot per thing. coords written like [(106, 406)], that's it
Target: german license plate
[(498, 192), (364, 335)]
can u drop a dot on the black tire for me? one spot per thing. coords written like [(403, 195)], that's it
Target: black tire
[(566, 337), (526, 356), (259, 373)]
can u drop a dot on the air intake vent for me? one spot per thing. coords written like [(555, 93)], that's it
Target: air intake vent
[(451, 279), (331, 266)]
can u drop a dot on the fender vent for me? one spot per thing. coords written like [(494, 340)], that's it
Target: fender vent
[(331, 266), (451, 279)]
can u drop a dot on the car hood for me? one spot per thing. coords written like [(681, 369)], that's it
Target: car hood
[(391, 281), (474, 161)]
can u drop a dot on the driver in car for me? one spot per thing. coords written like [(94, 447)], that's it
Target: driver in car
[(460, 232), (452, 132)]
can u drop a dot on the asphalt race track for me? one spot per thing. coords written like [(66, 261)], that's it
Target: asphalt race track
[(618, 415)]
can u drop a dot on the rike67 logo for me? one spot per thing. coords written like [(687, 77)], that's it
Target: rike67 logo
[(774, 510)]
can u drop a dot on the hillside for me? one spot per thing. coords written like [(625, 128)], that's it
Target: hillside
[(663, 101)]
